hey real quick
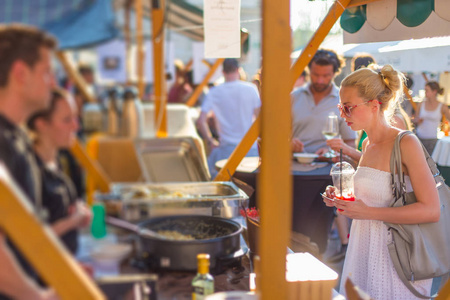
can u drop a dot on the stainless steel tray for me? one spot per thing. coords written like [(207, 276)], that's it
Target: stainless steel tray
[(170, 160), (143, 200)]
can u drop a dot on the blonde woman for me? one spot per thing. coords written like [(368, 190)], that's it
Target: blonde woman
[(364, 97)]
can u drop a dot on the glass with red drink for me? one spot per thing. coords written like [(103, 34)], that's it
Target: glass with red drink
[(342, 175)]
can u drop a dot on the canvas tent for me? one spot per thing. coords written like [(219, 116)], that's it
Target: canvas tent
[(76, 23), (82, 23)]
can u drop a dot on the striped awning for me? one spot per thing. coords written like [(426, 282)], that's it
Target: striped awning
[(391, 20)]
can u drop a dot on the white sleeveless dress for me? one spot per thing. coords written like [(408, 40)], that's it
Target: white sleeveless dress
[(367, 261)]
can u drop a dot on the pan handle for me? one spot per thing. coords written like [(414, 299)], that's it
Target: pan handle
[(144, 232), (122, 224)]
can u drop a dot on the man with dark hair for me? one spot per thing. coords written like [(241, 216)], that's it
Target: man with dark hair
[(312, 103), (235, 105), (362, 60), (26, 81)]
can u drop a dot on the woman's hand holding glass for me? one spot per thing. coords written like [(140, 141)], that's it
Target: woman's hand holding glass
[(330, 196), (352, 209), (357, 209)]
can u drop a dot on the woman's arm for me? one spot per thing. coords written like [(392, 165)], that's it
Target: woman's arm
[(445, 111), (14, 282), (416, 119), (425, 210), (352, 152), (79, 216)]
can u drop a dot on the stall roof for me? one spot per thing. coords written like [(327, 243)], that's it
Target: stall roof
[(182, 17), (76, 23), (82, 23)]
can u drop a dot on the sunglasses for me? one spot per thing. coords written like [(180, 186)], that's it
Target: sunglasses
[(347, 110)]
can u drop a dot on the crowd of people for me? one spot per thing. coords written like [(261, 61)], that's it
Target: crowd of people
[(369, 119)]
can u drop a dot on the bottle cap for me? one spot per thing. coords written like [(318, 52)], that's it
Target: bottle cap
[(203, 263)]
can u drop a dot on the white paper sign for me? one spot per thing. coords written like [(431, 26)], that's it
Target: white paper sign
[(222, 28), (112, 62)]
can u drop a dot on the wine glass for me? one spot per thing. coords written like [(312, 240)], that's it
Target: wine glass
[(330, 131)]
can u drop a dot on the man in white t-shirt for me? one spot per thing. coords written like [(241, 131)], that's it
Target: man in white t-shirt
[(235, 105)]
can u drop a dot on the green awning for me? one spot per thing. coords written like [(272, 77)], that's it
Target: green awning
[(410, 13), (388, 20)]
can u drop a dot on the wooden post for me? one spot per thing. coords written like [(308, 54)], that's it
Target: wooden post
[(74, 76), (91, 166), (40, 246), (127, 36), (158, 35), (444, 293), (275, 181), (140, 48)]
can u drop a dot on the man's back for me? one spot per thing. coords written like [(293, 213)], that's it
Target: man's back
[(234, 104)]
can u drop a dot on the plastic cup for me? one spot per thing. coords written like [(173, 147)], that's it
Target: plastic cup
[(342, 175)]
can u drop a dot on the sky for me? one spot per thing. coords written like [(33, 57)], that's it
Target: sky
[(305, 13)]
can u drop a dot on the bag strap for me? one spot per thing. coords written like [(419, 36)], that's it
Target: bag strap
[(397, 176), (406, 282)]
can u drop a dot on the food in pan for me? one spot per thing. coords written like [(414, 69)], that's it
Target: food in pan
[(175, 235)]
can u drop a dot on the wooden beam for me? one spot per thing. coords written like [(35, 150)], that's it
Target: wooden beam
[(274, 179), (75, 76), (444, 293), (189, 65), (40, 246), (308, 52), (91, 166), (198, 90), (158, 34), (140, 61), (239, 152), (333, 15), (354, 3), (410, 98)]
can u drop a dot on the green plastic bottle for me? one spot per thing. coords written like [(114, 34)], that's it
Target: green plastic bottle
[(203, 282), (98, 227)]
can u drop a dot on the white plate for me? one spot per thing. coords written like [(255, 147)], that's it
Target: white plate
[(305, 158), (110, 253)]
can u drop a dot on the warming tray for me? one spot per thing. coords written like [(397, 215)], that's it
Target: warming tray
[(143, 200), (171, 160)]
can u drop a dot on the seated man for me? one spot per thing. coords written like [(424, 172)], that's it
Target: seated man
[(235, 105)]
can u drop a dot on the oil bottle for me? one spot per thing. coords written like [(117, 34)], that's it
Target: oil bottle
[(203, 282)]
